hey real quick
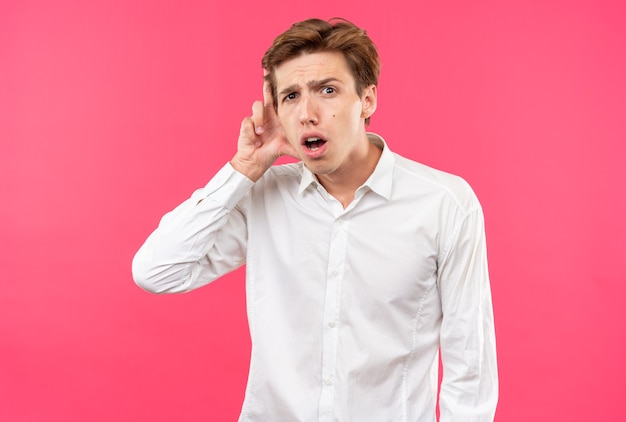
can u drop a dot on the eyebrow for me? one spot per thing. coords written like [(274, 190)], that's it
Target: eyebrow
[(310, 84)]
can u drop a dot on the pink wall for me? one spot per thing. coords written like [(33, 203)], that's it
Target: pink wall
[(112, 112)]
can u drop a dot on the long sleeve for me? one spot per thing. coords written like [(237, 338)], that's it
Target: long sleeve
[(199, 241), (469, 390)]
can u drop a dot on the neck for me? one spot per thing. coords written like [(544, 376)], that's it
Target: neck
[(342, 184)]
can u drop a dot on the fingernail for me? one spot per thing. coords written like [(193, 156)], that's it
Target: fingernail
[(259, 130)]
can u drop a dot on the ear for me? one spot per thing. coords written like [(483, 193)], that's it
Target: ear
[(369, 100)]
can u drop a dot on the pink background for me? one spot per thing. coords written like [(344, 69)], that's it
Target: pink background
[(113, 112)]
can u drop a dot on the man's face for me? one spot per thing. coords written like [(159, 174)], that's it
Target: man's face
[(321, 113)]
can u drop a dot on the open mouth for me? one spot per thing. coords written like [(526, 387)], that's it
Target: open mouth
[(313, 143)]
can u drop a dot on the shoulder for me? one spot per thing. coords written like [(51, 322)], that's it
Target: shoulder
[(282, 176), (422, 178), (286, 170), (291, 172)]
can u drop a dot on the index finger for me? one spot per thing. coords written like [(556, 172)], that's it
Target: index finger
[(268, 96)]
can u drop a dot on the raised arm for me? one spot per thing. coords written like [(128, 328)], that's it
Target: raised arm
[(205, 236)]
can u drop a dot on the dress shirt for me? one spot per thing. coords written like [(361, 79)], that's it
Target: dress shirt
[(347, 308)]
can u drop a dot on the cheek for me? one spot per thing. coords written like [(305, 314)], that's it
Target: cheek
[(283, 121), (288, 116), (290, 128)]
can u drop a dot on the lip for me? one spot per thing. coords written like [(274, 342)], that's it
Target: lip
[(320, 151)]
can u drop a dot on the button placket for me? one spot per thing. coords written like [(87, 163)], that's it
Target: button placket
[(335, 269)]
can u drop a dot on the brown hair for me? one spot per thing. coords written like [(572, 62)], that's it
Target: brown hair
[(316, 35)]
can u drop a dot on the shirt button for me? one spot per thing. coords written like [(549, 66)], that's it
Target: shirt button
[(334, 274), (328, 381), (331, 324), (340, 222)]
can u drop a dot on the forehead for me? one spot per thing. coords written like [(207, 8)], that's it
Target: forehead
[(312, 67)]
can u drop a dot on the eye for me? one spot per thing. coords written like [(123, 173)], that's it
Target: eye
[(328, 90), (290, 97)]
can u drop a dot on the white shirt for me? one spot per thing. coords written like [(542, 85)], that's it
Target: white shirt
[(347, 308)]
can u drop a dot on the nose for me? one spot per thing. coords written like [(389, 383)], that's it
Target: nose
[(308, 111)]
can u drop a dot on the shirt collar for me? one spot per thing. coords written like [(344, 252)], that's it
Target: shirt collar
[(379, 181)]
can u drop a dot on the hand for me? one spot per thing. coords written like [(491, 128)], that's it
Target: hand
[(261, 139)]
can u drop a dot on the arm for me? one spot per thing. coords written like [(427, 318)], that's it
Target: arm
[(199, 241), (205, 237), (469, 389)]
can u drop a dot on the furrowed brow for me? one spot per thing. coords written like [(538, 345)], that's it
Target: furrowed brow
[(288, 90), (310, 84), (315, 84)]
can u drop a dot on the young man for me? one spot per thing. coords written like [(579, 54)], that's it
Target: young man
[(360, 264)]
